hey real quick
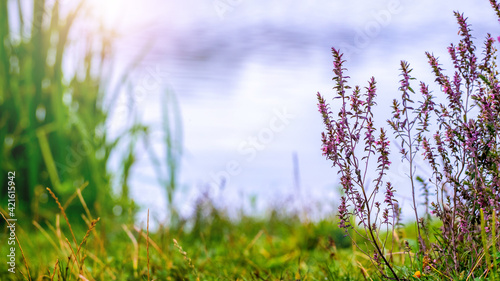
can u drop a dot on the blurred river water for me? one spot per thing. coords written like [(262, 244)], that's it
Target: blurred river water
[(246, 74)]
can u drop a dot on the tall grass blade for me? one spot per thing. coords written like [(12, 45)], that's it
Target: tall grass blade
[(486, 247)]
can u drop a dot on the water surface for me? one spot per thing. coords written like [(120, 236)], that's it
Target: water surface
[(246, 77)]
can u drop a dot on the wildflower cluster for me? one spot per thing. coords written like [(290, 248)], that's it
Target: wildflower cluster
[(458, 139), (463, 152), (350, 142)]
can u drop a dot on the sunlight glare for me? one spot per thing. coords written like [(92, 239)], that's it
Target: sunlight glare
[(122, 14)]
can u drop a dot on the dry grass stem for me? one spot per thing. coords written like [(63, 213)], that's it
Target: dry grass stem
[(92, 226), (153, 243), (75, 194), (147, 246), (22, 253), (74, 255), (64, 214), (87, 211), (55, 270), (135, 256)]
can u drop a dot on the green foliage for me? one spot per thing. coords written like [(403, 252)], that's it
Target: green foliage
[(210, 246), (53, 118)]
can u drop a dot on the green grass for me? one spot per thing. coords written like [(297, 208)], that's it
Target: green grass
[(207, 246), (278, 246)]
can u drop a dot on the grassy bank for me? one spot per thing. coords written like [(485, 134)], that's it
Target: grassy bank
[(206, 246)]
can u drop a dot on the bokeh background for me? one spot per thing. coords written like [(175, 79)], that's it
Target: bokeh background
[(227, 90), (234, 64)]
